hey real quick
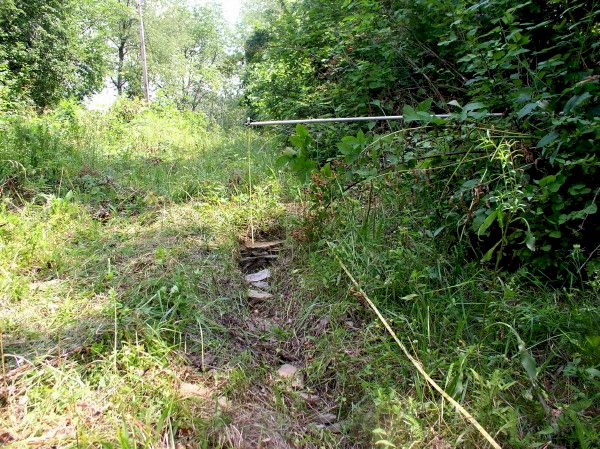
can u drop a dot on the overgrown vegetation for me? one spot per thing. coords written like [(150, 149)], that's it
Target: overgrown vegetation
[(126, 235), (117, 232), (536, 62)]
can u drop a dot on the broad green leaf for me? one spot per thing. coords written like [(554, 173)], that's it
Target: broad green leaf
[(410, 115), (487, 222), (424, 106), (528, 363), (547, 180), (576, 101), (527, 109), (530, 241), (591, 209), (473, 106), (547, 139)]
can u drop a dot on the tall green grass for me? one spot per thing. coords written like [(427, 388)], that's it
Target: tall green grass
[(117, 258), (522, 356), (119, 275)]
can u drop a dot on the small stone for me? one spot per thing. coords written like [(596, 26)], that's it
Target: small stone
[(310, 398), (263, 245), (259, 295), (336, 427), (287, 370), (261, 285), (260, 276), (291, 372), (188, 390)]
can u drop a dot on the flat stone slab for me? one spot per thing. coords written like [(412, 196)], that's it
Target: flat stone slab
[(291, 372), (263, 245), (262, 285), (260, 276), (260, 295)]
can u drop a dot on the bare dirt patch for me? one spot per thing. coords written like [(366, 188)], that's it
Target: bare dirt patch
[(278, 409)]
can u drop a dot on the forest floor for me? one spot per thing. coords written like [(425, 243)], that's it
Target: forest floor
[(165, 286), (86, 342)]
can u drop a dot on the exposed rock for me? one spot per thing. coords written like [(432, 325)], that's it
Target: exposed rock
[(188, 390), (263, 245), (326, 418), (259, 295), (287, 371), (261, 285), (291, 372), (260, 276), (310, 398)]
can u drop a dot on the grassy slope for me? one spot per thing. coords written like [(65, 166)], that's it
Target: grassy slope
[(125, 322)]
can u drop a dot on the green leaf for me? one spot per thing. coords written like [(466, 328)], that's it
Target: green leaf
[(527, 109), (487, 222), (490, 252), (547, 139), (410, 115), (527, 360), (473, 106), (424, 106), (591, 209), (530, 241), (528, 363), (547, 180), (301, 131), (576, 101), (579, 189)]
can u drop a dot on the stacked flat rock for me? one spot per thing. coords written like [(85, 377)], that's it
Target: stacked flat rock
[(256, 257)]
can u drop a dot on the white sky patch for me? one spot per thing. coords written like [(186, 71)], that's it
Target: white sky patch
[(232, 9)]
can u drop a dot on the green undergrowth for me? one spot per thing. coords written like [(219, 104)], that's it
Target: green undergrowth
[(125, 321), (118, 243), (520, 355)]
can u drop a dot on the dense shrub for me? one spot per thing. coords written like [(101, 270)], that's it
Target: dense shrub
[(534, 196)]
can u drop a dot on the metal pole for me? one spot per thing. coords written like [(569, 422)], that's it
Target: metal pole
[(143, 53), (249, 122)]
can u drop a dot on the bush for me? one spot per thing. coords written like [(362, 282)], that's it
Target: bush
[(523, 187)]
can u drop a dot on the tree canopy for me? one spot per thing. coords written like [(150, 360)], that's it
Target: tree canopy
[(50, 50)]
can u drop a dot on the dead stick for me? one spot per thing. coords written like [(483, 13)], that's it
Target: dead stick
[(417, 364)]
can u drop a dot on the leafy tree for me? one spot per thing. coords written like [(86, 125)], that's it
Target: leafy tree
[(187, 48), (121, 27), (187, 52), (51, 49)]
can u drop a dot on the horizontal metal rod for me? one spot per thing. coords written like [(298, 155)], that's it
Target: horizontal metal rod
[(345, 119)]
